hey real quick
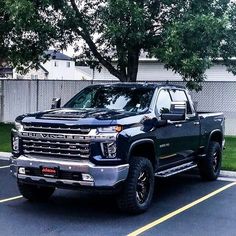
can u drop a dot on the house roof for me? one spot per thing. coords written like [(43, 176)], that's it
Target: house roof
[(55, 55), (6, 70)]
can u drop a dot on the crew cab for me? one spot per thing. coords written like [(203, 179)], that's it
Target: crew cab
[(115, 137)]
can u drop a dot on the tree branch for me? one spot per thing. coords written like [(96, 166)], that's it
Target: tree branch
[(87, 37)]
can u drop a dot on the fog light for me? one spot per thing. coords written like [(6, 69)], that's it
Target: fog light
[(87, 177), (15, 144), (21, 170)]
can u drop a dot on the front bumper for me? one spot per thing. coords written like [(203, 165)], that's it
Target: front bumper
[(102, 176)]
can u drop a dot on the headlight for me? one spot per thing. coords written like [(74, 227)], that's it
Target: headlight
[(15, 144), (109, 149), (18, 126), (110, 129)]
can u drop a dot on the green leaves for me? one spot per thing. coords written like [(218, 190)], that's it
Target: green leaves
[(187, 36), (190, 43)]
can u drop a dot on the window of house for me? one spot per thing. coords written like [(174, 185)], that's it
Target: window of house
[(68, 64), (33, 77)]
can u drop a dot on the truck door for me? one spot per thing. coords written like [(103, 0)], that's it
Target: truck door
[(165, 135), (177, 141), (187, 132)]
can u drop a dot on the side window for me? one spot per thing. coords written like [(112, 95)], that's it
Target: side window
[(180, 96), (163, 102)]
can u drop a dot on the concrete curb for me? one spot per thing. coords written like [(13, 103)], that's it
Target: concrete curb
[(223, 173), (228, 174), (5, 156)]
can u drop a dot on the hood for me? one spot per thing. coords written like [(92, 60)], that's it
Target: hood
[(83, 117)]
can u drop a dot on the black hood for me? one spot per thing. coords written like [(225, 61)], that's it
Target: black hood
[(83, 116)]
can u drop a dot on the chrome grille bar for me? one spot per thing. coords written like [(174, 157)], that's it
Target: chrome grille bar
[(85, 151), (81, 144), (55, 154), (56, 129), (75, 150)]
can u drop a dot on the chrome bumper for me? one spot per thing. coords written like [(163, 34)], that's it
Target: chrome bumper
[(103, 176)]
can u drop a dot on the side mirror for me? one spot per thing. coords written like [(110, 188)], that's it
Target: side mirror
[(177, 112), (149, 124), (56, 103)]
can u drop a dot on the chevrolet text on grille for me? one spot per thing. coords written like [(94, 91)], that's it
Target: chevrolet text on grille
[(39, 135)]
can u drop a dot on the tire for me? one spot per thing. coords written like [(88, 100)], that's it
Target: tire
[(209, 167), (137, 192), (34, 192)]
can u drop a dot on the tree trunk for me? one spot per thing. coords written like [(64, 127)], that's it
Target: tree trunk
[(133, 60)]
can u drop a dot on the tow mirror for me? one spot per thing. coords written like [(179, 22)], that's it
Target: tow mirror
[(56, 103), (151, 123), (177, 112)]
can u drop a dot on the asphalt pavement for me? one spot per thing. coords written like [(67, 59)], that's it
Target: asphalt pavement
[(182, 205)]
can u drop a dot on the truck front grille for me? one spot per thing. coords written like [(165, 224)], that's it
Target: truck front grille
[(65, 149), (56, 129)]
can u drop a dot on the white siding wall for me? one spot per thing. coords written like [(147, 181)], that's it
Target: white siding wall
[(151, 70), (61, 71), (40, 73)]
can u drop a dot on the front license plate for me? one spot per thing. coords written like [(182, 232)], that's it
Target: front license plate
[(49, 171)]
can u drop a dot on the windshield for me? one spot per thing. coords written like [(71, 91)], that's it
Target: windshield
[(116, 98)]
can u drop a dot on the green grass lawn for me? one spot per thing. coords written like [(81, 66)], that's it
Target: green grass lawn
[(5, 137), (229, 157)]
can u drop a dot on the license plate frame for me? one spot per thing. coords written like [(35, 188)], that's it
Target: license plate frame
[(48, 171)]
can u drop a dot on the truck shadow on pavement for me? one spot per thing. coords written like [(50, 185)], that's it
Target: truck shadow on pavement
[(180, 189), (89, 213)]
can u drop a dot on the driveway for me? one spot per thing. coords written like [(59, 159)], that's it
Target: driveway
[(182, 205)]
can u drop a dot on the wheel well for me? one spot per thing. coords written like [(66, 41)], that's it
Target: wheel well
[(217, 137), (145, 150)]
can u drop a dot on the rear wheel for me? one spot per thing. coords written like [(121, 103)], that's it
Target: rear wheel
[(34, 192), (137, 193), (209, 167)]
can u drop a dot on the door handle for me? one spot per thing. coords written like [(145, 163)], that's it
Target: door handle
[(178, 125), (196, 123)]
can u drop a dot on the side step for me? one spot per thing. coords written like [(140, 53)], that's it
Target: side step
[(175, 170)]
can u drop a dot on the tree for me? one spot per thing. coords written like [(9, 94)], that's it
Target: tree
[(187, 36)]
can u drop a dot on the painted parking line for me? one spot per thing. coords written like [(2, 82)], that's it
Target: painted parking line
[(11, 199), (180, 210), (4, 167)]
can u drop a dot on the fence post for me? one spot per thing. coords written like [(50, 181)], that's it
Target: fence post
[(37, 95), (1, 100)]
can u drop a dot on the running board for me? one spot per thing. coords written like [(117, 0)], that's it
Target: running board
[(175, 170)]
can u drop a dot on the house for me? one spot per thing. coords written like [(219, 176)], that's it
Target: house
[(150, 69), (6, 72), (63, 67), (58, 67)]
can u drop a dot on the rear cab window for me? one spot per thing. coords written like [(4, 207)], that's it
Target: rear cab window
[(180, 96)]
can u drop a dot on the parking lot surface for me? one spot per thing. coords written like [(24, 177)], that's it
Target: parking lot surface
[(79, 213)]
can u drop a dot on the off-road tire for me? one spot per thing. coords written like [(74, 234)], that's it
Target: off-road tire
[(134, 198), (210, 165), (34, 192)]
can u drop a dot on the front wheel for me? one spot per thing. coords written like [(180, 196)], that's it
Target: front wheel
[(209, 167), (137, 193), (34, 192)]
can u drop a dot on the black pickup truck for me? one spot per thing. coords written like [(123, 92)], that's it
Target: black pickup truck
[(115, 137)]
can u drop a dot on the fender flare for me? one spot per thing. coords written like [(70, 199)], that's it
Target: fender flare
[(212, 133), (139, 142)]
